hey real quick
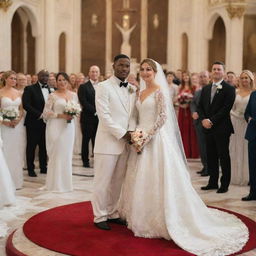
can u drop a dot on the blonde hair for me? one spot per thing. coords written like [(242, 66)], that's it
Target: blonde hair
[(251, 76), (6, 75), (151, 63)]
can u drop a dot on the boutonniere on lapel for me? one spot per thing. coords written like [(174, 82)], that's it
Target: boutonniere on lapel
[(219, 87), (131, 89)]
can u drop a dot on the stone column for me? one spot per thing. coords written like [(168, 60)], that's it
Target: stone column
[(73, 39), (144, 30), (108, 66), (5, 42), (50, 38), (234, 45)]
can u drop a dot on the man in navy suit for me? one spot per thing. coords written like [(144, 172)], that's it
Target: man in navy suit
[(215, 104), (250, 135), (33, 99)]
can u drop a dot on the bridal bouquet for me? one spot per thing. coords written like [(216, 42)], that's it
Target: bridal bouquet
[(9, 114), (72, 108), (138, 138), (185, 98)]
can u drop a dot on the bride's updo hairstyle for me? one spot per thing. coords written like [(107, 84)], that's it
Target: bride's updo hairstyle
[(151, 63), (6, 75)]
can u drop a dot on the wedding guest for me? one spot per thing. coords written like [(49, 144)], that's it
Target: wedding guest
[(178, 76), (52, 80), (238, 145), (215, 104), (72, 79), (80, 79), (34, 79), (195, 81), (187, 129), (7, 189), (34, 98), (22, 82), (231, 78), (60, 134), (132, 80), (203, 81), (29, 79), (89, 119), (174, 88), (12, 129)]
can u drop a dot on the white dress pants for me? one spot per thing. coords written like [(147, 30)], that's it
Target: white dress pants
[(109, 172)]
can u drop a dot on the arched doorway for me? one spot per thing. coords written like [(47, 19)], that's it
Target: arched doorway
[(62, 52), (22, 42), (217, 45), (184, 52)]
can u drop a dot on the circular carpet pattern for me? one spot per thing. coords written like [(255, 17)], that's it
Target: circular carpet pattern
[(69, 229)]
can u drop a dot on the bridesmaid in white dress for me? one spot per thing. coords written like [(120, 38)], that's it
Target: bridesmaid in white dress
[(7, 189), (238, 145), (13, 132), (158, 199), (60, 136)]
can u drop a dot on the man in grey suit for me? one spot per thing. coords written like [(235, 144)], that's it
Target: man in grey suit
[(204, 80)]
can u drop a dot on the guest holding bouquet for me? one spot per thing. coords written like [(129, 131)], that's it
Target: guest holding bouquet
[(184, 98), (13, 132), (59, 112)]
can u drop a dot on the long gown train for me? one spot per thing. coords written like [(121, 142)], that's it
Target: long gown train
[(158, 199)]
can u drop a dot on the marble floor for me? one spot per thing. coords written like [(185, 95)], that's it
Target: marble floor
[(83, 179)]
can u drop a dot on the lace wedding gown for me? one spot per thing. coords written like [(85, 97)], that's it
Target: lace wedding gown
[(238, 144), (159, 201), (14, 143), (59, 145)]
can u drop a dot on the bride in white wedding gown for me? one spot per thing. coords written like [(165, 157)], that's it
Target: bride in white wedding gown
[(158, 199), (59, 137)]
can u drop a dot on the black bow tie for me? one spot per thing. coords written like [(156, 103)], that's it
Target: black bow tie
[(44, 86), (124, 84)]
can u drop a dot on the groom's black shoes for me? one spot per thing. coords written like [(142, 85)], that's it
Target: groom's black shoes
[(102, 225), (250, 197), (222, 190), (118, 221), (32, 174), (209, 187)]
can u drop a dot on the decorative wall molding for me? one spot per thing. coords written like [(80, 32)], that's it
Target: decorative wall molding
[(5, 4)]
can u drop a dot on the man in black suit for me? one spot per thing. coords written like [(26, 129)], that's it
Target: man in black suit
[(33, 99), (215, 104), (89, 119)]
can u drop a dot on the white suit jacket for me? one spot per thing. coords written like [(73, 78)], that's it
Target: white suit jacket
[(115, 107)]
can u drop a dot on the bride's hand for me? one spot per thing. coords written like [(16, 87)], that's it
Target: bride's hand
[(65, 116), (7, 123)]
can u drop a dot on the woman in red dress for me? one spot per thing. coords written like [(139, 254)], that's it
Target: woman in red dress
[(187, 130)]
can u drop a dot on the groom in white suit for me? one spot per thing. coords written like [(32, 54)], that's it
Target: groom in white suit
[(115, 100)]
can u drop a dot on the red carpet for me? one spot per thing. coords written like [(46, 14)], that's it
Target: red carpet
[(69, 229)]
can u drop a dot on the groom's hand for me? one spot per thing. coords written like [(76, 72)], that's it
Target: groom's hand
[(127, 137)]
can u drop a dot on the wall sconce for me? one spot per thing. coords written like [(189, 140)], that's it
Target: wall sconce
[(5, 4)]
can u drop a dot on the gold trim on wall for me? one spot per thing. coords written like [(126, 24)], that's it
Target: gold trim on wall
[(5, 4)]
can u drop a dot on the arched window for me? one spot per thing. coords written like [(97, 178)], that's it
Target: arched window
[(217, 45)]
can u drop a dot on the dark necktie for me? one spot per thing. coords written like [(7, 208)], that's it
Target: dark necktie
[(213, 91), (44, 86), (124, 84)]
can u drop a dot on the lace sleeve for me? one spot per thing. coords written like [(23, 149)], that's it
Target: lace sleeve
[(161, 116), (48, 112)]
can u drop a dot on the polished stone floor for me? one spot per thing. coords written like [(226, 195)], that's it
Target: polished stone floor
[(82, 180)]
